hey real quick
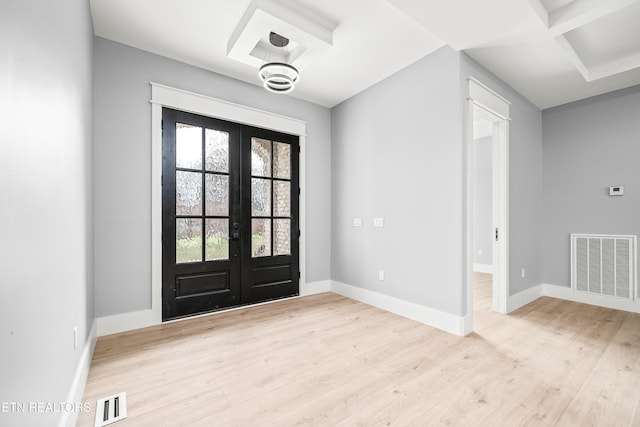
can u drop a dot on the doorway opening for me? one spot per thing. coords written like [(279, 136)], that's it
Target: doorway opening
[(488, 236)]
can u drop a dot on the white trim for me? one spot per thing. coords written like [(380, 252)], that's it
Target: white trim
[(468, 235), (184, 100), (162, 95), (141, 319), (573, 56), (117, 323), (438, 319), (467, 325), (566, 293), (482, 268), (490, 100), (483, 97), (69, 419), (541, 11), (581, 12), (500, 212), (315, 288), (524, 297), (154, 316)]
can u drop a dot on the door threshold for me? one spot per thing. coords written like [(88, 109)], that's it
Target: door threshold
[(230, 308)]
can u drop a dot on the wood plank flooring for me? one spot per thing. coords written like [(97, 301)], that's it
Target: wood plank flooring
[(326, 360)]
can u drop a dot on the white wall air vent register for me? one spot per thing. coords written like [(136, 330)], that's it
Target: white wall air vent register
[(604, 265)]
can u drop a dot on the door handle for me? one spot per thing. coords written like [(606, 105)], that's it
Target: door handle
[(235, 234)]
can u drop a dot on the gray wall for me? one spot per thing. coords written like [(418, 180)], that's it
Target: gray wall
[(397, 153), (525, 178), (483, 201), (123, 166), (588, 146), (46, 247)]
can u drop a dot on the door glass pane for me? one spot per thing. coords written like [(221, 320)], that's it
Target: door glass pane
[(188, 146), (260, 157), (188, 240), (260, 237), (217, 195), (216, 150), (281, 160), (217, 239), (281, 236), (188, 193), (260, 197), (281, 198)]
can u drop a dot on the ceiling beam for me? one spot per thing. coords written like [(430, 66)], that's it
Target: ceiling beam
[(581, 12), (573, 56), (540, 10), (613, 67)]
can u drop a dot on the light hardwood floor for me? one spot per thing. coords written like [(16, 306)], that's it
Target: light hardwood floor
[(326, 360)]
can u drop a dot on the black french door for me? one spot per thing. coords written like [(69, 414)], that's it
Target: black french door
[(230, 226)]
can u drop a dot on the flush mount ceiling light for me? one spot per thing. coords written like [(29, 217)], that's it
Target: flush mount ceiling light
[(278, 77)]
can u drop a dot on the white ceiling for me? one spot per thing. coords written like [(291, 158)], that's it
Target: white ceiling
[(551, 51)]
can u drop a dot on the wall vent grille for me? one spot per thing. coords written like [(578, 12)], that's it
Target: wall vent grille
[(111, 409), (604, 265)]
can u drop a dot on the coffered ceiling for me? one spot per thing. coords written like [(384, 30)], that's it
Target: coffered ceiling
[(551, 51)]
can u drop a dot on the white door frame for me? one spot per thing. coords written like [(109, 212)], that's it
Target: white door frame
[(483, 97)]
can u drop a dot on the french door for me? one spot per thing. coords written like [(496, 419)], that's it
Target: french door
[(230, 227)]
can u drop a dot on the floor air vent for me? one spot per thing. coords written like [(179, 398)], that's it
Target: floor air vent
[(604, 265), (111, 409)]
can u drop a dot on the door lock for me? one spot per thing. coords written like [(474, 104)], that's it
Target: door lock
[(235, 231)]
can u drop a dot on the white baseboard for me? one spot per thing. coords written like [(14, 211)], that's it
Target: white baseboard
[(69, 419), (523, 298), (313, 288), (566, 293), (482, 268), (124, 322), (117, 323), (435, 318)]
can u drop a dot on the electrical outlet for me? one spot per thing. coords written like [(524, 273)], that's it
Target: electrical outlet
[(522, 273), (381, 275), (378, 222), (75, 337), (357, 222)]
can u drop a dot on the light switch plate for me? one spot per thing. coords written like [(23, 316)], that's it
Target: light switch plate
[(357, 222), (378, 222)]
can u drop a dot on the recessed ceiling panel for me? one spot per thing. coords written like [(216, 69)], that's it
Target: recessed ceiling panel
[(372, 39), (308, 39), (468, 23), (608, 39), (555, 5)]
